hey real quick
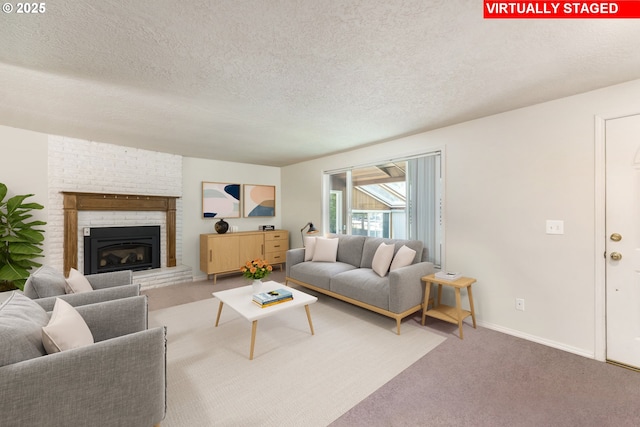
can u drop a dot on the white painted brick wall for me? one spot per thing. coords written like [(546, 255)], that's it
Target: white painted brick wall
[(94, 167)]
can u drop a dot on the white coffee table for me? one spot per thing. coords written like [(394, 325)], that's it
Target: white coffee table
[(240, 300)]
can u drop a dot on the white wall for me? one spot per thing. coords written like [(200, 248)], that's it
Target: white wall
[(23, 168), (194, 172), (505, 175)]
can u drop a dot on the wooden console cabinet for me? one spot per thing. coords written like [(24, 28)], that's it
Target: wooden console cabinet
[(226, 253)]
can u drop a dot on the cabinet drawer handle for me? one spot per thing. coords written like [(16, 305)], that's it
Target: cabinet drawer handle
[(276, 246), (210, 255), (277, 236)]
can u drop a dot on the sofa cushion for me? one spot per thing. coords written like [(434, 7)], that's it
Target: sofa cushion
[(309, 247), (66, 329), (318, 273), (76, 283), (364, 285), (372, 243), (350, 248), (405, 256), (21, 322), (45, 282), (326, 250), (382, 259)]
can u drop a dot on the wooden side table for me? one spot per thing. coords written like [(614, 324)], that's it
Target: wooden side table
[(444, 312)]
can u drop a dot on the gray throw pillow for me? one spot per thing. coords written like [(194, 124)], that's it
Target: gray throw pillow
[(21, 322), (45, 282)]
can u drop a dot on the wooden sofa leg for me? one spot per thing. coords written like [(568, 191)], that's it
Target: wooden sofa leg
[(398, 324)]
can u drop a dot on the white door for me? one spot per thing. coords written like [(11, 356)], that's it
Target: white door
[(623, 240)]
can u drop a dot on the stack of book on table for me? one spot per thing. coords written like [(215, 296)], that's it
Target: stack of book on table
[(448, 275), (267, 299)]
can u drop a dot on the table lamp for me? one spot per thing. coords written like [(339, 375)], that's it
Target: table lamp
[(311, 230)]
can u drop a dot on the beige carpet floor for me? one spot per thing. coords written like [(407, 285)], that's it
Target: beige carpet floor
[(295, 378)]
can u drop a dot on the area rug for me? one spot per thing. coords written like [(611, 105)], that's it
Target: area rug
[(295, 378)]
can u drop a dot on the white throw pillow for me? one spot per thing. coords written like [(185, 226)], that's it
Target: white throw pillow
[(326, 250), (309, 247), (66, 329), (403, 258), (382, 259), (77, 283)]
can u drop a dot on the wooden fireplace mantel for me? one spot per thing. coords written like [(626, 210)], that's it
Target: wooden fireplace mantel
[(74, 202)]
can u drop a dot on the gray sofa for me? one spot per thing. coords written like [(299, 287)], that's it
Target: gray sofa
[(351, 278), (120, 380), (46, 284)]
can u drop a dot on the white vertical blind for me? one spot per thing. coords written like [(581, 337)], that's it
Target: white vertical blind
[(423, 204)]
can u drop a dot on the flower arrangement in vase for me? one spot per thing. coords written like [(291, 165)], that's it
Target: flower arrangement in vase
[(256, 270)]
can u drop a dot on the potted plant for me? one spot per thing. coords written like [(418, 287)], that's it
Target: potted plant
[(20, 239)]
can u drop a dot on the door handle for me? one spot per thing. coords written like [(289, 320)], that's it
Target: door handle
[(616, 256), (616, 237)]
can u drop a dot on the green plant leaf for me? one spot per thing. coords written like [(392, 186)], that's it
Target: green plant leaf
[(29, 263), (15, 202), (28, 235), (23, 259), (13, 272), (10, 238), (35, 223), (17, 217), (31, 206), (24, 249), (20, 283), (3, 191)]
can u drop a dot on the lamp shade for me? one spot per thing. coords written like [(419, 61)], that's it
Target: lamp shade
[(311, 230)]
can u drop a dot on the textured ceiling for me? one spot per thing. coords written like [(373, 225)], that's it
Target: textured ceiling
[(275, 82)]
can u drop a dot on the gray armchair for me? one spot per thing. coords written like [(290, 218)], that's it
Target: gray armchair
[(120, 380), (47, 283)]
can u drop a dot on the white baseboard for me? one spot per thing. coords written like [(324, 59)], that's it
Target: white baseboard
[(549, 343)]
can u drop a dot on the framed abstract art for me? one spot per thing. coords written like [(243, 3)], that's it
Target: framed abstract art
[(220, 200), (259, 200)]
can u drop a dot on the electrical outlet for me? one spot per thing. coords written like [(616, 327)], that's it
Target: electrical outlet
[(520, 304), (555, 226)]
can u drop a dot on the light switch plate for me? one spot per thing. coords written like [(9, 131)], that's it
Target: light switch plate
[(555, 226)]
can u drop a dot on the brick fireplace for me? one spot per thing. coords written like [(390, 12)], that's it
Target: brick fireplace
[(95, 185)]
